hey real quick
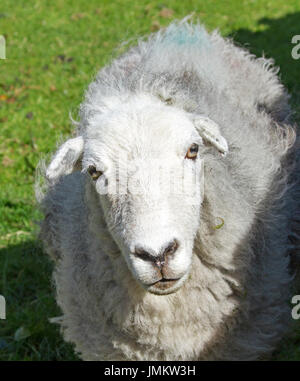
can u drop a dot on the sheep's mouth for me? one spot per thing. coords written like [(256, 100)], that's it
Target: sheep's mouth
[(164, 284)]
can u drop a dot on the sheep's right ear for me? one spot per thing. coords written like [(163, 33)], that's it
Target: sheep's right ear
[(66, 159)]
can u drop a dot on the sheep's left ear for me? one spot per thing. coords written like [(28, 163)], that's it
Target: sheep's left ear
[(66, 159), (210, 132)]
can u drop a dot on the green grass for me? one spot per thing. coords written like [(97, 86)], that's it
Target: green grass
[(54, 49)]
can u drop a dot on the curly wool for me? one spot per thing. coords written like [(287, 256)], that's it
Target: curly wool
[(234, 306)]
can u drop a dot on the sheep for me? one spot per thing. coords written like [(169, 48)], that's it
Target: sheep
[(202, 272)]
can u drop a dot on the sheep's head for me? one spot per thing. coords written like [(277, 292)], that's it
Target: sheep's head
[(143, 159)]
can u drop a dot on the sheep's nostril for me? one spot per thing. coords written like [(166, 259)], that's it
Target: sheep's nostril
[(170, 248), (143, 254)]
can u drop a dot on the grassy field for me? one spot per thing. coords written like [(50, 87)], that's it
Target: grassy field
[(54, 49)]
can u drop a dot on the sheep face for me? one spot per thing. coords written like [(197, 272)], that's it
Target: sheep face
[(144, 165), (143, 160)]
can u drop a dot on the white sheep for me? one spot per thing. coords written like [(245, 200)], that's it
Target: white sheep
[(173, 213)]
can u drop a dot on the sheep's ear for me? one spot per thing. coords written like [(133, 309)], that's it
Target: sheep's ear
[(210, 133), (66, 159)]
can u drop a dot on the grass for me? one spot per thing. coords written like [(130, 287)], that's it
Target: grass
[(54, 49)]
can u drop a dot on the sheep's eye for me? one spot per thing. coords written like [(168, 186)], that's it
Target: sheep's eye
[(94, 173), (192, 152)]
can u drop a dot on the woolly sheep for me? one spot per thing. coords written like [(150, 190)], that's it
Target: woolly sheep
[(149, 273)]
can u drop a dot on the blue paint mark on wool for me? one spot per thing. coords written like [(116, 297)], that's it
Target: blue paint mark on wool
[(186, 35)]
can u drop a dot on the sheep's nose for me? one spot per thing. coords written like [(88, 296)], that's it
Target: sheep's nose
[(158, 258)]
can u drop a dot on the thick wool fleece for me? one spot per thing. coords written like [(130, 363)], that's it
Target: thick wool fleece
[(235, 303)]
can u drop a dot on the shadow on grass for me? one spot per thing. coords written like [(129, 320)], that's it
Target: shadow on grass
[(276, 42), (25, 282)]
